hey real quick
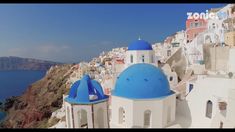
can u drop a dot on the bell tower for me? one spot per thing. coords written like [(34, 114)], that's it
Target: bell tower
[(86, 105)]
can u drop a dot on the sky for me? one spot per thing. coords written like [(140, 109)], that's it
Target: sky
[(78, 32)]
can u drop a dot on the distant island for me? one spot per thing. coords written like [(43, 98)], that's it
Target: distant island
[(17, 63)]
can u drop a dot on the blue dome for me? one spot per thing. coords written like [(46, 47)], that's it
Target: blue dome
[(82, 90), (142, 81), (140, 45)]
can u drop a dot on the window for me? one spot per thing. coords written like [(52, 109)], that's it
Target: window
[(83, 118), (121, 115), (131, 58), (221, 124), (143, 58), (168, 114), (191, 25), (147, 118), (209, 109), (100, 118), (196, 24), (190, 87), (68, 118), (168, 52), (171, 78)]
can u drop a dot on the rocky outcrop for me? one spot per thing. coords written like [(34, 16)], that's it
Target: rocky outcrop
[(17, 63), (34, 108)]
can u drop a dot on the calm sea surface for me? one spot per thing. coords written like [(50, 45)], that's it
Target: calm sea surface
[(14, 83)]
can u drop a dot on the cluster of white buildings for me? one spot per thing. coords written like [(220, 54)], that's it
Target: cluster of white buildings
[(216, 32), (164, 85), (143, 97)]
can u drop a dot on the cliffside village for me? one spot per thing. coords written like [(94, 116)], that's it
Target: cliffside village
[(195, 67)]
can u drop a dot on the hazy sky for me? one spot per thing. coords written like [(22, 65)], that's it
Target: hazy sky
[(74, 32)]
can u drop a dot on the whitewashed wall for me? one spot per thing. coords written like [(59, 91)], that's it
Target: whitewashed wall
[(134, 111), (137, 57)]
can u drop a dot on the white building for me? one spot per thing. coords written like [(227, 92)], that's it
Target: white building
[(209, 103), (142, 99)]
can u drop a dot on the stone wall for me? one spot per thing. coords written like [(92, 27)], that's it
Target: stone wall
[(215, 58)]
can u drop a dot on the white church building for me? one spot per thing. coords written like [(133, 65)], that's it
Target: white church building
[(142, 91), (142, 98), (140, 51)]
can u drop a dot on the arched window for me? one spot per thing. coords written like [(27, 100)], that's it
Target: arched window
[(131, 58), (221, 124), (68, 118), (171, 78), (100, 118), (168, 114), (143, 58), (83, 118), (209, 109), (79, 118), (121, 115), (190, 87), (147, 118)]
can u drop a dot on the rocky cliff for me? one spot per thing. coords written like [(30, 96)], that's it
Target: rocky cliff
[(35, 106), (17, 63)]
